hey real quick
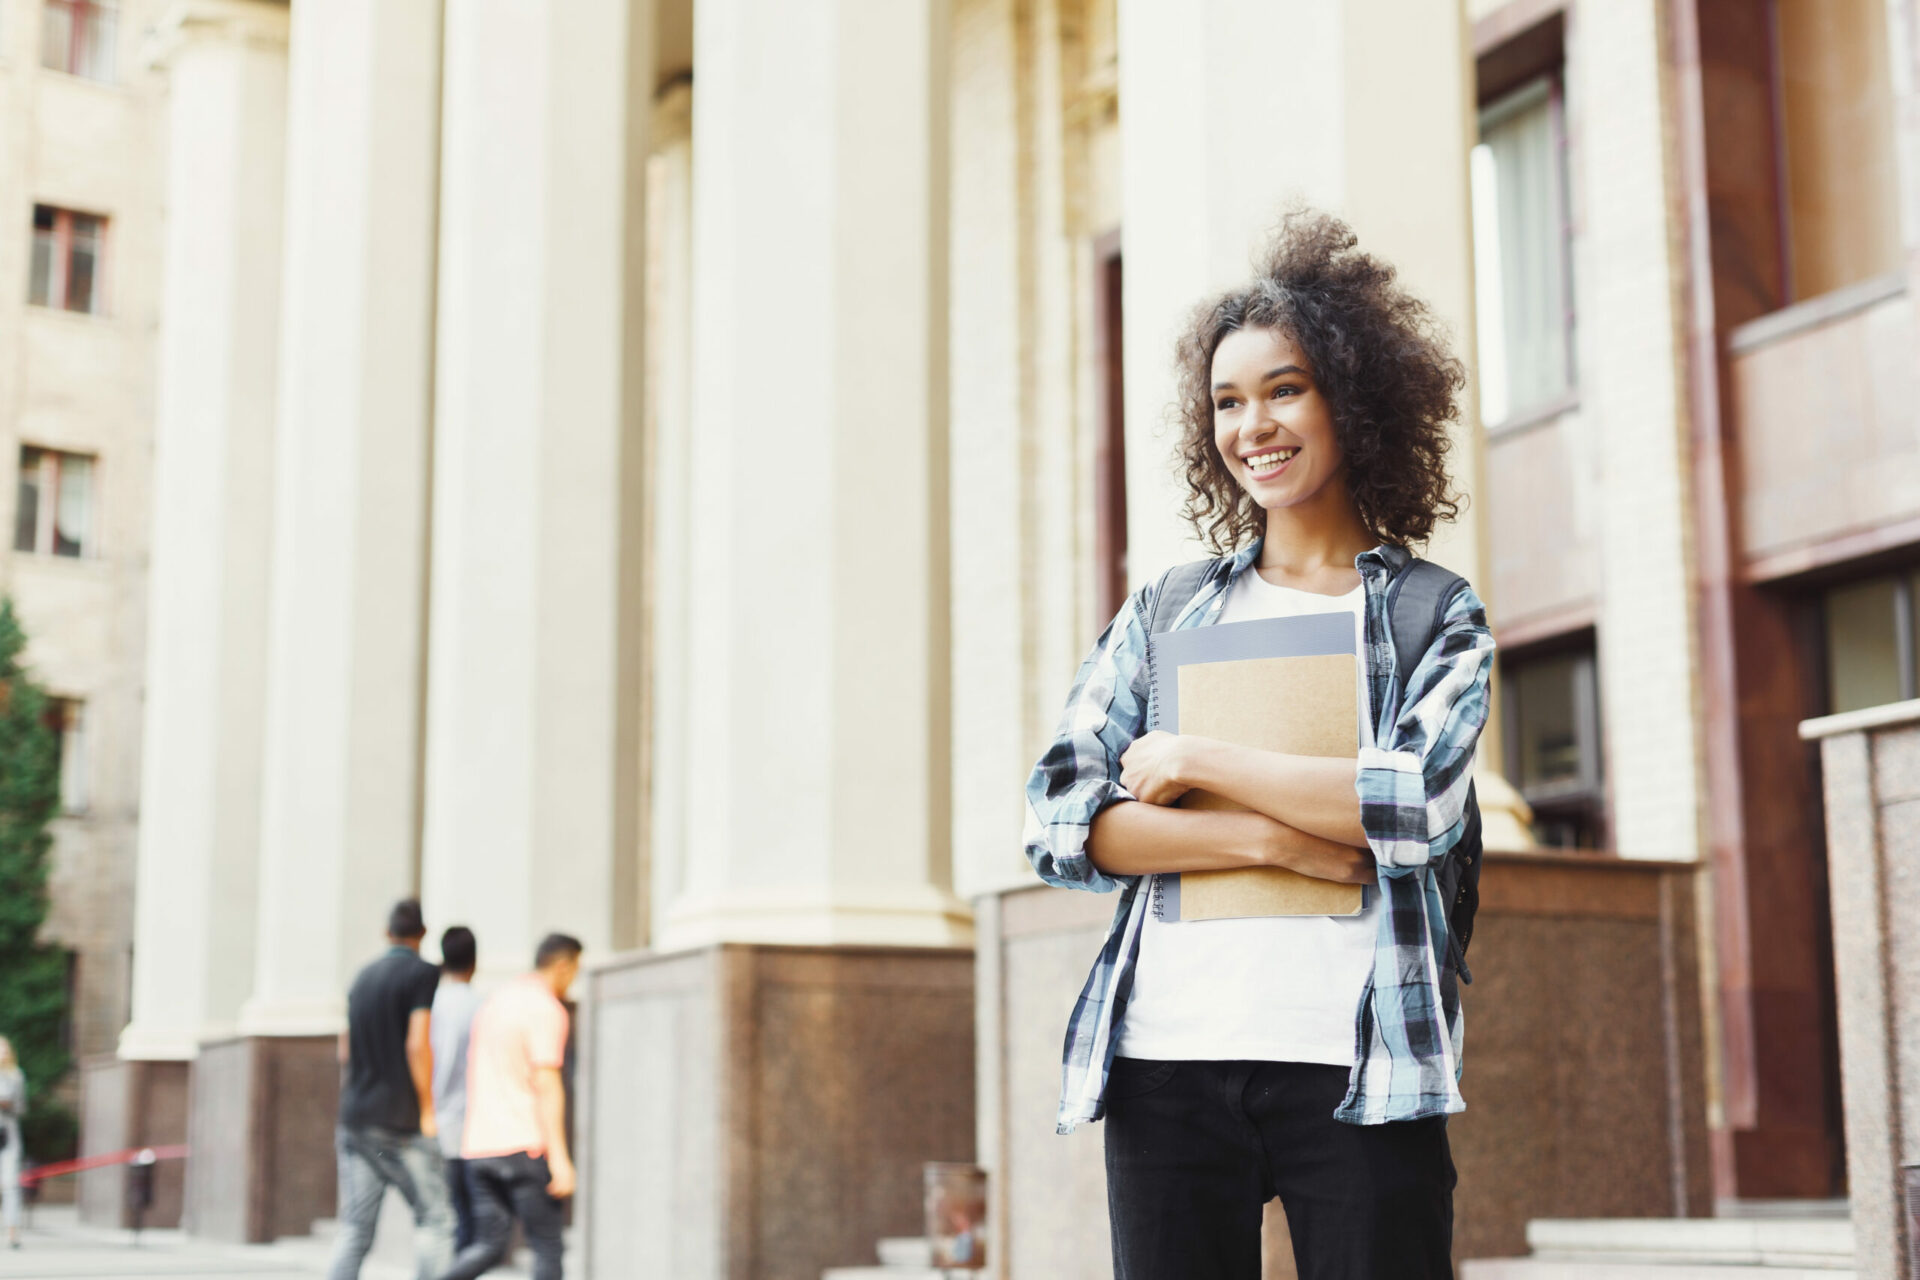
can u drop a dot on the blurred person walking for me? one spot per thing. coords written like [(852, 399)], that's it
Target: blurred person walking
[(454, 1005), (13, 1104), (516, 1139), (386, 1134)]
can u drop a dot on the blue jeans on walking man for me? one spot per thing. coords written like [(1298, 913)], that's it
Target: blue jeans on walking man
[(373, 1159)]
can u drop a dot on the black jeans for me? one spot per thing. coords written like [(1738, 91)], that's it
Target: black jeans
[(1196, 1149), (462, 1201), (504, 1188)]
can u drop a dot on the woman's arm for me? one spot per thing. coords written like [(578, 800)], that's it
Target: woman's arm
[(1413, 786), (1132, 838), (1314, 794), (1078, 777)]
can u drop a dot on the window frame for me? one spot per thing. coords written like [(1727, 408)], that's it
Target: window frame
[(1511, 99), (1905, 578), (67, 718), (76, 14), (60, 268), (1582, 800), (47, 512)]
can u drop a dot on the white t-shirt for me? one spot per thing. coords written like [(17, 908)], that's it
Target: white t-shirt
[(1269, 989), (454, 1003)]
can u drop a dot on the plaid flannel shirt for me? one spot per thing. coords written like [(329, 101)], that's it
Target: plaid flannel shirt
[(1412, 782)]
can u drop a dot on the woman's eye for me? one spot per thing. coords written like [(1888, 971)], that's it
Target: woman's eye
[(1222, 406), (1280, 391)]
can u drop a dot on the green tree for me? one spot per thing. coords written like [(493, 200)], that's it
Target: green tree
[(33, 975)]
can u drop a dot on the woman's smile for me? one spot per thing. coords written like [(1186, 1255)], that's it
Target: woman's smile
[(1268, 464)]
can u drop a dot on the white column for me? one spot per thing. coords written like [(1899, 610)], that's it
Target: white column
[(1243, 143), (999, 444), (818, 768), (1374, 131), (212, 496), (1631, 334), (674, 530), (533, 673), (341, 773)]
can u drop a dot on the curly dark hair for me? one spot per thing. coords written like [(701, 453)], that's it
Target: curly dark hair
[(1376, 353)]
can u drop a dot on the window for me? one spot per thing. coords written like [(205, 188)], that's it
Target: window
[(76, 36), (1552, 721), (1870, 643), (1839, 163), (1525, 300), (66, 718), (65, 273), (53, 514)]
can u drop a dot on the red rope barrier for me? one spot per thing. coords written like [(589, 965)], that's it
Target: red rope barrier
[(61, 1168)]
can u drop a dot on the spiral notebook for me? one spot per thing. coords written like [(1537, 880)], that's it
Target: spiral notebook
[(1279, 684)]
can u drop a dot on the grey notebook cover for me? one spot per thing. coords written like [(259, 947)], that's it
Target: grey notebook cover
[(1308, 635), (1303, 636)]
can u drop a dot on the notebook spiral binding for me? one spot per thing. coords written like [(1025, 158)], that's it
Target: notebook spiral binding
[(1153, 687), (1157, 893)]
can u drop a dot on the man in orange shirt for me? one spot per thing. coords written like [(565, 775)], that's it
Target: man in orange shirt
[(515, 1143)]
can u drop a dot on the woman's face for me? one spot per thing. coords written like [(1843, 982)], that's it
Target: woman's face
[(1272, 426), (6, 1052)]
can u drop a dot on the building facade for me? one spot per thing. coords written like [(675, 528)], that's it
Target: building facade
[(1700, 207), (651, 469), (80, 281)]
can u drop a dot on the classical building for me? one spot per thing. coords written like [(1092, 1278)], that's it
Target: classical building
[(81, 117), (650, 468)]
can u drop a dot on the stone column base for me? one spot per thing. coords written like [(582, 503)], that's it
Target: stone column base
[(130, 1104), (762, 1112), (261, 1129), (1600, 1116)]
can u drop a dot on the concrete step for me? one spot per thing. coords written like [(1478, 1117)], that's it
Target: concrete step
[(1782, 1209), (901, 1258), (1763, 1246), (1810, 1243), (909, 1251), (1537, 1269)]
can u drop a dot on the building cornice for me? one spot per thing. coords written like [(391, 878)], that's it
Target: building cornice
[(260, 24), (1881, 717)]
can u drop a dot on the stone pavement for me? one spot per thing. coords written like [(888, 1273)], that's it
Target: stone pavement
[(57, 1247)]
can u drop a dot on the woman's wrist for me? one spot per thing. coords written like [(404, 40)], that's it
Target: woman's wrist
[(1265, 845), (1193, 763)]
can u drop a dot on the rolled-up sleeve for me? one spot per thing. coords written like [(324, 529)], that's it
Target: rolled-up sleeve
[(1413, 786), (1080, 773)]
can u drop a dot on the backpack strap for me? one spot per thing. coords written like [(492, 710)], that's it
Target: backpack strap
[(1417, 601), (1178, 586)]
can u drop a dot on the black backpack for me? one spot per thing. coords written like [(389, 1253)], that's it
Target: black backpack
[(1417, 601)]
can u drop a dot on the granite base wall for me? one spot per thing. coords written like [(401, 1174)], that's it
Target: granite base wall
[(261, 1129), (1584, 1078), (762, 1113), (1871, 777), (125, 1106)]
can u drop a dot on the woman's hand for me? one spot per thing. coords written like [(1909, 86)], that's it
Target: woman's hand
[(1153, 768)]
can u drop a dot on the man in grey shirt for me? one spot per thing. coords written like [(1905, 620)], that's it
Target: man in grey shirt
[(453, 1008)]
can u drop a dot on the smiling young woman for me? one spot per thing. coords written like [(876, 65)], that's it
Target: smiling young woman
[(1310, 1058)]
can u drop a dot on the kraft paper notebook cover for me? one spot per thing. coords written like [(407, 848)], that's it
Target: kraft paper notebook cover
[(1279, 684)]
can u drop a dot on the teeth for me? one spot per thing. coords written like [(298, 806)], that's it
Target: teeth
[(1268, 461)]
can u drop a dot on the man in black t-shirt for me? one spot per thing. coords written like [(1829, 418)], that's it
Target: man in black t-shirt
[(386, 1131)]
